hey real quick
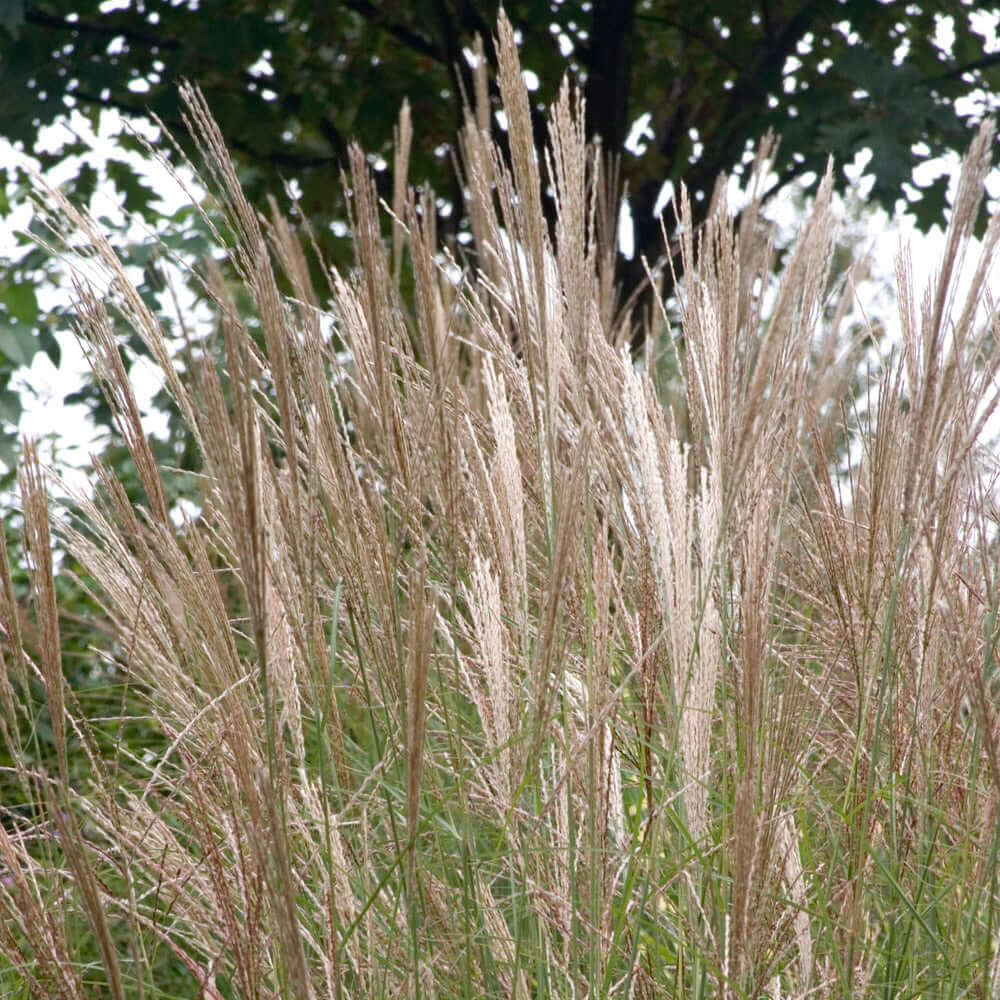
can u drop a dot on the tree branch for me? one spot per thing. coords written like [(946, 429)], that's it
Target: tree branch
[(688, 32), (609, 70), (750, 88), (112, 27), (992, 59), (411, 39)]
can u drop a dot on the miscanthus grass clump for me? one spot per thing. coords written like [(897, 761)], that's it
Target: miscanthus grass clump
[(494, 665)]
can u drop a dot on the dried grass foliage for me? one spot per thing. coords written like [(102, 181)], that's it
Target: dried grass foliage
[(478, 658)]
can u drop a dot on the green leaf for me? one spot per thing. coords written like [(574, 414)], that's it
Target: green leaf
[(933, 203), (8, 456), (10, 407), (85, 184), (17, 342), (138, 195), (47, 342), (21, 302)]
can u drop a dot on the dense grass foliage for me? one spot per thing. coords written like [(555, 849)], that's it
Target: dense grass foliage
[(493, 665)]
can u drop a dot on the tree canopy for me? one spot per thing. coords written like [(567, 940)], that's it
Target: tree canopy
[(293, 83)]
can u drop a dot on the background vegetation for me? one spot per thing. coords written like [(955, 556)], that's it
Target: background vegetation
[(292, 84), (494, 661)]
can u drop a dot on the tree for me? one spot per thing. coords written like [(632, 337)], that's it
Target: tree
[(293, 83)]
